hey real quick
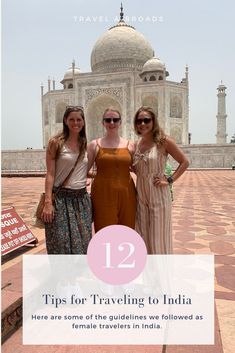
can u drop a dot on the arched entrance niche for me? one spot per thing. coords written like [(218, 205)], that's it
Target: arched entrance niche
[(94, 114)]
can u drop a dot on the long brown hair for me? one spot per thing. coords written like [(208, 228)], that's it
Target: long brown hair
[(159, 135), (55, 143)]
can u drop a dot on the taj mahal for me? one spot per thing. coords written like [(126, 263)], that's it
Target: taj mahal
[(125, 74)]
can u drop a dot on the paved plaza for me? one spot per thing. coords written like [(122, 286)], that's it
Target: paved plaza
[(203, 223)]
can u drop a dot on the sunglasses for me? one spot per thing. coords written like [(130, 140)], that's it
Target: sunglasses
[(74, 107), (145, 121), (109, 120)]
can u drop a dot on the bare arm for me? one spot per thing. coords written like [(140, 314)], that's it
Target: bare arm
[(132, 147), (48, 211), (172, 149), (179, 156), (92, 150)]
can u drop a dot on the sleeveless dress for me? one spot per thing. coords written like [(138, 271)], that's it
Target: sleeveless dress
[(153, 217), (113, 191)]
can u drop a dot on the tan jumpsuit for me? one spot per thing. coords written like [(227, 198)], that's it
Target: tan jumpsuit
[(113, 192), (153, 218)]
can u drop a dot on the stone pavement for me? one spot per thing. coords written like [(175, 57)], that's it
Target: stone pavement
[(203, 223)]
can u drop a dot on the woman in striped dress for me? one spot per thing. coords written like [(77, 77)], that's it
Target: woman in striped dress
[(153, 219)]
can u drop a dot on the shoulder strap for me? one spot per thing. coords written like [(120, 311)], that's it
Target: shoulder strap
[(68, 176), (97, 148)]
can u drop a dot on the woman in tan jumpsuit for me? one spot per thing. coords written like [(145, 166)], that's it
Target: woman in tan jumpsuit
[(113, 191)]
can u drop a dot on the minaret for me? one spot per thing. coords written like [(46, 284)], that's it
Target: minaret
[(43, 132), (73, 74), (42, 87), (49, 84), (186, 74), (221, 116), (53, 84)]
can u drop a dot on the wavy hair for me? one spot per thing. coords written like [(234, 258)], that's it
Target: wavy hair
[(159, 135), (55, 143)]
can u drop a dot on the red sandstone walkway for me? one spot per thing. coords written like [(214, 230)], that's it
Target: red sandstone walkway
[(203, 223)]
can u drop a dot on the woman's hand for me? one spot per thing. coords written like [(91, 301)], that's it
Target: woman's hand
[(157, 181), (132, 169), (48, 213)]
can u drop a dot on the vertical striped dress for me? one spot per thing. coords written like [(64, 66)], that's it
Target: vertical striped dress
[(153, 218)]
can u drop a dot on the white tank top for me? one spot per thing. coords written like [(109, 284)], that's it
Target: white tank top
[(64, 163)]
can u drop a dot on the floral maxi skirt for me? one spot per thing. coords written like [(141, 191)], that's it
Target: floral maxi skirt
[(70, 231)]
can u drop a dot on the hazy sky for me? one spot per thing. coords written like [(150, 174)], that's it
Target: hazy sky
[(42, 37)]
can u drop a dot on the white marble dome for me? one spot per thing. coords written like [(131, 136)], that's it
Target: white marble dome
[(69, 73), (153, 64), (121, 48)]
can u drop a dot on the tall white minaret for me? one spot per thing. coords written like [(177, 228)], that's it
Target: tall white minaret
[(221, 116)]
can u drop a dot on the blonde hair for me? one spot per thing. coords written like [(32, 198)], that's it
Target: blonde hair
[(110, 109), (159, 135)]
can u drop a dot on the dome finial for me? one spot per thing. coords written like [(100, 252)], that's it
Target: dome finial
[(121, 13)]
